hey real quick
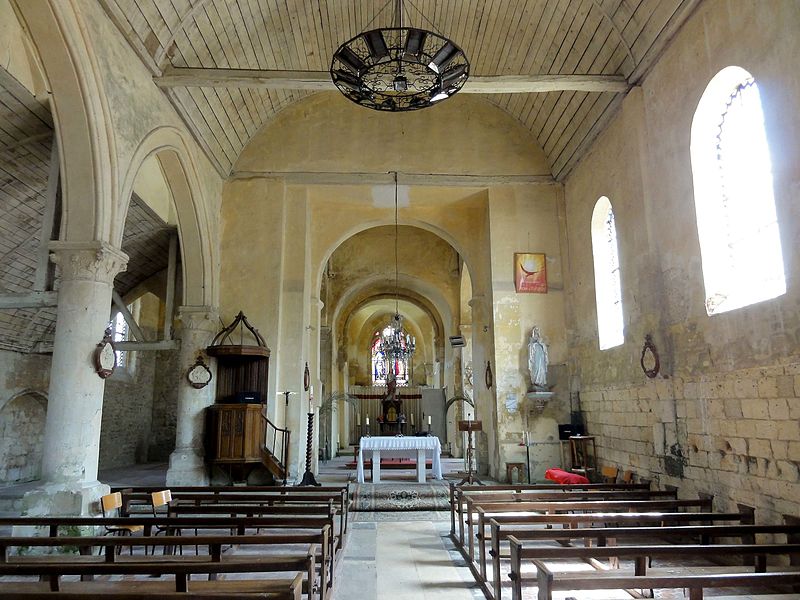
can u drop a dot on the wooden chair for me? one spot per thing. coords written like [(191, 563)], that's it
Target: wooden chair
[(110, 504), (609, 474), (159, 500)]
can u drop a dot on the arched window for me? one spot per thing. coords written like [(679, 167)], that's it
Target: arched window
[(381, 363), (736, 220), (120, 334), (607, 285)]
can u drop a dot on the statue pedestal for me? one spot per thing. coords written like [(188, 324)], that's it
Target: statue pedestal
[(539, 399)]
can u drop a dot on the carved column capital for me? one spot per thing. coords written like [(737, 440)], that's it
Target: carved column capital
[(88, 261), (198, 318)]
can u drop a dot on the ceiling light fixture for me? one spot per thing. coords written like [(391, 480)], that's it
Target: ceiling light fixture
[(399, 68), (395, 343)]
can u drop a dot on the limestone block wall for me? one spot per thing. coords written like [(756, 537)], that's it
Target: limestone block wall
[(735, 435), (722, 416), (127, 413), (23, 403)]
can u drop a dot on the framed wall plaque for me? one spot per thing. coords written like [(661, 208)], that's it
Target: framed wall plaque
[(530, 273), (105, 358)]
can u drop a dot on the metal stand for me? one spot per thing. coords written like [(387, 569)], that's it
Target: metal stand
[(469, 427), (308, 476), (528, 460)]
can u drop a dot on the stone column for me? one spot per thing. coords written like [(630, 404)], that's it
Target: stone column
[(196, 327), (75, 403)]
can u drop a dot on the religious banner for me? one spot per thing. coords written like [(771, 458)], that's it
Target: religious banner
[(530, 273)]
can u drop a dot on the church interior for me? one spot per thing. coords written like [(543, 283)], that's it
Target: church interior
[(243, 241)]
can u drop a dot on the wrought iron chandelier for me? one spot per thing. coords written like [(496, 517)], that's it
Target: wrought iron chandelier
[(399, 68), (395, 343)]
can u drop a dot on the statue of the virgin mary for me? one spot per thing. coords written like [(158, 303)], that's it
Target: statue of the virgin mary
[(537, 360)]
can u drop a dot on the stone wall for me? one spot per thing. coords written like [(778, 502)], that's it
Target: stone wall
[(722, 416), (735, 435), (24, 380), (127, 413)]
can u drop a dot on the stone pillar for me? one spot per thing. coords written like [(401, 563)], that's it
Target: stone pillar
[(197, 326), (75, 398)]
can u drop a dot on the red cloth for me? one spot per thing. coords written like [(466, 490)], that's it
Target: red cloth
[(563, 477)]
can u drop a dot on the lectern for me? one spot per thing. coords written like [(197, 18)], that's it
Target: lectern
[(470, 427)]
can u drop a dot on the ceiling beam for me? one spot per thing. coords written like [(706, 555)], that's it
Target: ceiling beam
[(411, 179), (316, 81), (28, 300)]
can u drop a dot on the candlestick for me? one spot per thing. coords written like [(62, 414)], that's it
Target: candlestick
[(429, 420), (412, 420), (358, 422), (367, 421)]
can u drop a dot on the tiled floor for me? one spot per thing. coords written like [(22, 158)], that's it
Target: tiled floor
[(401, 560)]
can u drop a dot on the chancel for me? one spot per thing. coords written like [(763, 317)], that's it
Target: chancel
[(295, 293)]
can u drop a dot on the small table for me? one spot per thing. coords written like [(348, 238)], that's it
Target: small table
[(400, 446)]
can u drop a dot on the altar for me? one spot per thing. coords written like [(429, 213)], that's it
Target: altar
[(411, 446)]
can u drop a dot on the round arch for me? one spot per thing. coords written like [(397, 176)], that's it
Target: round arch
[(357, 228), (89, 170), (198, 253)]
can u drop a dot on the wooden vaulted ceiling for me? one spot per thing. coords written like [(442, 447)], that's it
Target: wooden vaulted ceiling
[(500, 37)]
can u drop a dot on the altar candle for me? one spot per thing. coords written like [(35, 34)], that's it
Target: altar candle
[(412, 419), (429, 420), (311, 399), (359, 420), (367, 421)]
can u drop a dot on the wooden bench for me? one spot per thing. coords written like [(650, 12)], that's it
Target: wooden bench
[(494, 522), (696, 584), (110, 546), (318, 542), (491, 508), (182, 570), (570, 581), (468, 502), (239, 525), (267, 589), (133, 497), (457, 492), (601, 536)]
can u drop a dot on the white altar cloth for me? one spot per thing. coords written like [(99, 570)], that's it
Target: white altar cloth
[(410, 446)]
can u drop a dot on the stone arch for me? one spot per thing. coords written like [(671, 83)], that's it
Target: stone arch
[(80, 114), (22, 420), (357, 228), (169, 145)]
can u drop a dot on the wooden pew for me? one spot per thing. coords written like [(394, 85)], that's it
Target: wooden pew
[(485, 500), (239, 525), (704, 534), (251, 505), (110, 545), (266, 589), (181, 570), (457, 492), (468, 500), (340, 495), (491, 508), (696, 584), (570, 581), (502, 526)]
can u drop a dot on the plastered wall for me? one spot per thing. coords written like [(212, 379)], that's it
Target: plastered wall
[(527, 219), (723, 415)]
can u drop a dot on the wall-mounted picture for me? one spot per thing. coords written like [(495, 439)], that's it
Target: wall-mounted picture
[(530, 273)]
